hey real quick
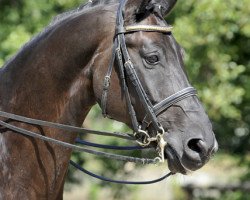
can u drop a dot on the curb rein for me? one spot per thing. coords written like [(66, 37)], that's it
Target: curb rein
[(141, 136)]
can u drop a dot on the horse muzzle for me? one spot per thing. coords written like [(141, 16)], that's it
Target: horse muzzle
[(189, 153)]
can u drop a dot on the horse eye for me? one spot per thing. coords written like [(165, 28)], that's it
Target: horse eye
[(153, 59)]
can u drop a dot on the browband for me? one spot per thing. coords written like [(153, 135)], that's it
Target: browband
[(145, 28), (155, 28)]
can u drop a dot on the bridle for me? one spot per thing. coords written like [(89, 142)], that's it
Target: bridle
[(127, 73)]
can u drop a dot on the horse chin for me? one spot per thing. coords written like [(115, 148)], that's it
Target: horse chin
[(174, 163)]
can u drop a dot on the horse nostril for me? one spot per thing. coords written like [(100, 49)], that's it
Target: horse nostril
[(197, 145)]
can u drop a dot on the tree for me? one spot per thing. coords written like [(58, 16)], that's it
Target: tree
[(21, 20), (216, 35)]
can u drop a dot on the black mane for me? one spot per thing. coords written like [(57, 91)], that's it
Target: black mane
[(81, 8), (59, 18)]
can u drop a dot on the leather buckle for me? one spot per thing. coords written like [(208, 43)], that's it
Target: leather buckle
[(106, 83)]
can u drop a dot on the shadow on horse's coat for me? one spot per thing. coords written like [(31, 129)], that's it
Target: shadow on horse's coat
[(58, 76)]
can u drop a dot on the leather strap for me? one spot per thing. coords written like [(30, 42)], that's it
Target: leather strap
[(171, 100), (69, 128), (106, 83), (130, 107), (102, 146), (119, 181), (78, 148)]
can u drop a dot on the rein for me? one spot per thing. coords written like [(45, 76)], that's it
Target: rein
[(83, 131), (76, 130)]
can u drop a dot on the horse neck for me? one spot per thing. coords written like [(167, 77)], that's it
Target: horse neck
[(51, 76), (49, 79)]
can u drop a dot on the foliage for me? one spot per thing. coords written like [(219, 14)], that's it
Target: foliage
[(215, 35), (20, 20)]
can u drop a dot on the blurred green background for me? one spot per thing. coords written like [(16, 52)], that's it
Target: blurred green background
[(215, 35)]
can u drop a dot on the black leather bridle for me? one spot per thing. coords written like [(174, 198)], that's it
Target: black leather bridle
[(127, 73)]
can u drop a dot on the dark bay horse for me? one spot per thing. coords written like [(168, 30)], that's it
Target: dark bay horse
[(58, 76)]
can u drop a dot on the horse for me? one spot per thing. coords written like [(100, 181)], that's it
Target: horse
[(67, 68)]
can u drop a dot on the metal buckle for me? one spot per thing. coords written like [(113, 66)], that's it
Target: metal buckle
[(161, 143), (146, 140), (106, 83)]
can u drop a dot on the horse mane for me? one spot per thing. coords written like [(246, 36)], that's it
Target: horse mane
[(59, 18), (80, 9)]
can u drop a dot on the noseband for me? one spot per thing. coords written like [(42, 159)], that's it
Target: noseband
[(127, 73)]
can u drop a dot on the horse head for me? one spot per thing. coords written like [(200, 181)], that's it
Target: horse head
[(158, 62)]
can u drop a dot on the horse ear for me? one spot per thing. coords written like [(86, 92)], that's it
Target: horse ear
[(133, 10), (169, 6), (137, 10)]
